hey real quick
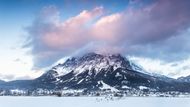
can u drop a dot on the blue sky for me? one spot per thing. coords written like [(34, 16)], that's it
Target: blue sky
[(37, 33)]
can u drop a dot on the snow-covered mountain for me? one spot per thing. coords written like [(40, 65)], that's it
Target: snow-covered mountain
[(95, 72), (184, 79), (92, 72), (95, 61)]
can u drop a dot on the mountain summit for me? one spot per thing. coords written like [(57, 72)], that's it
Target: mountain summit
[(93, 62), (96, 72)]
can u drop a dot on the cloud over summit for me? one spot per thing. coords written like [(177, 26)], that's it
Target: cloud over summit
[(152, 30)]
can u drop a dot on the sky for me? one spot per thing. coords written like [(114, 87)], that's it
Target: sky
[(36, 34)]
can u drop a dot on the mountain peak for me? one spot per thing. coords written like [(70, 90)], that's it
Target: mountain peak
[(91, 61)]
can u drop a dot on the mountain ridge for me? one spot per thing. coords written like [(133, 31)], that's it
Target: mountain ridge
[(184, 79), (96, 72)]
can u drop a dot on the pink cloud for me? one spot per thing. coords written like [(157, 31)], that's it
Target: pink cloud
[(128, 31), (106, 28), (72, 32)]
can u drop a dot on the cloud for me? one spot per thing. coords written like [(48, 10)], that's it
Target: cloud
[(151, 30), (71, 32), (174, 69), (146, 25), (50, 38), (7, 77)]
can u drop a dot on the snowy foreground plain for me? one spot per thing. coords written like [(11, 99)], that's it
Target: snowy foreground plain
[(6, 101)]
